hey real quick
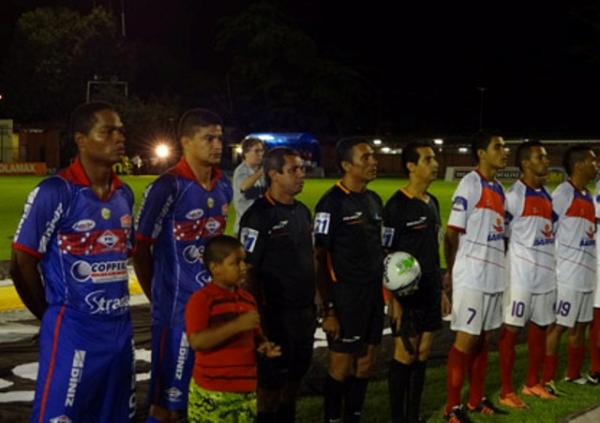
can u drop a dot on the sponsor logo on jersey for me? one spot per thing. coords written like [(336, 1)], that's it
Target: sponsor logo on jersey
[(547, 236), (322, 220), (27, 210), (84, 225), (174, 394), (99, 304), (50, 227), (194, 214), (126, 221), (193, 254), (105, 213), (60, 419), (589, 240), (203, 278), (459, 203), (419, 222), (353, 218), (249, 236), (101, 272), (182, 356), (75, 376), (498, 231), (280, 225), (210, 202), (108, 239), (212, 226)]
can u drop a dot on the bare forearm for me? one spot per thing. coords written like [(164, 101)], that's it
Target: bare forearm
[(28, 283), (450, 248), (143, 265), (323, 280), (251, 180)]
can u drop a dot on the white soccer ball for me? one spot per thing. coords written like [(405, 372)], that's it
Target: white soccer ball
[(401, 273)]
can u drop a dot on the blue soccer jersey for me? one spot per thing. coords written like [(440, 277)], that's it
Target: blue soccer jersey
[(86, 345)]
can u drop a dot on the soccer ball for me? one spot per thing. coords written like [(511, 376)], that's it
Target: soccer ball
[(401, 273)]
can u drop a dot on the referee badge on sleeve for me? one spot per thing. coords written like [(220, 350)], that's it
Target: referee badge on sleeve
[(322, 223), (248, 237), (387, 236)]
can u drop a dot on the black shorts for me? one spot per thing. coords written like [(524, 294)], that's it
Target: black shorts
[(359, 309), (294, 331), (421, 311)]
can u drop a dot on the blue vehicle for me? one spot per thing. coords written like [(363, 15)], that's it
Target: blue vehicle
[(306, 144)]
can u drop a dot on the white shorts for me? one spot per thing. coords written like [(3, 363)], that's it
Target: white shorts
[(573, 306), (474, 311), (522, 305), (597, 296)]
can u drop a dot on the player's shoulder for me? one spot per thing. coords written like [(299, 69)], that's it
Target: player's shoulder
[(332, 196), (397, 199), (563, 189), (374, 195), (247, 296), (260, 207), (516, 189)]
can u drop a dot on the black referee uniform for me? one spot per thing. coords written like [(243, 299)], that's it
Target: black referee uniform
[(278, 241), (348, 226)]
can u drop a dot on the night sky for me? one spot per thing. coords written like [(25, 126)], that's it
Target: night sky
[(540, 65)]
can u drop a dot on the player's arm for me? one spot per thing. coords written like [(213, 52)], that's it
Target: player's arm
[(330, 322), (28, 282), (211, 337), (144, 267), (451, 239), (249, 181)]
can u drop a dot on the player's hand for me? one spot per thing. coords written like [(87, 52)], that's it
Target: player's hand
[(331, 326), (446, 304), (248, 321), (269, 349), (447, 281)]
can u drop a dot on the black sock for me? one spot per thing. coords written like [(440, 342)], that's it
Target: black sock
[(399, 381), (415, 390), (266, 417), (286, 413), (334, 392), (355, 398)]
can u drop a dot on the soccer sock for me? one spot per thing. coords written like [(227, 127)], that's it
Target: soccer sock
[(478, 371), (550, 365), (457, 366), (594, 335), (266, 417), (334, 393), (355, 398), (574, 361), (286, 413), (415, 390), (536, 345), (398, 384), (506, 348)]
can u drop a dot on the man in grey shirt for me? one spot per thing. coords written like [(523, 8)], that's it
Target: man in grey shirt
[(248, 178)]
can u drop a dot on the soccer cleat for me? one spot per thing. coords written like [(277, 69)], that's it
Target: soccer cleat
[(593, 378), (551, 388), (512, 401), (485, 407), (577, 381), (537, 391), (458, 414)]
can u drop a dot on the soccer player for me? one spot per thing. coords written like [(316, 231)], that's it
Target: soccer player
[(348, 224), (594, 373), (474, 248), (223, 327), (412, 224), (277, 234), (575, 263), (69, 265), (248, 178), (531, 293), (180, 212)]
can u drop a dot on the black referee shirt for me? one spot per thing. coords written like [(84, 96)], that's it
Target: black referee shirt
[(348, 226), (413, 226), (278, 242)]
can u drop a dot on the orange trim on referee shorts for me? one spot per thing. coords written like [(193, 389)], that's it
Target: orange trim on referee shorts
[(52, 362)]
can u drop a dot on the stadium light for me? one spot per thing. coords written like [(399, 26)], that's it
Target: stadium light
[(385, 150), (162, 151), (238, 149), (377, 142), (463, 150), (438, 141)]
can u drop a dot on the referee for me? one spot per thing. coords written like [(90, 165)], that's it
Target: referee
[(277, 234), (412, 224), (350, 267)]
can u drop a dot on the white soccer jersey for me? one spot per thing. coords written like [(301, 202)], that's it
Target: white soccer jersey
[(597, 205), (478, 213), (575, 238), (530, 229)]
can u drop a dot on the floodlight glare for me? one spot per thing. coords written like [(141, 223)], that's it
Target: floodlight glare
[(377, 142), (385, 150), (463, 150), (162, 151), (438, 141)]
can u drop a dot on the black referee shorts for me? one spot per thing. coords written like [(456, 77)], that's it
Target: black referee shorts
[(359, 309), (421, 311), (294, 331)]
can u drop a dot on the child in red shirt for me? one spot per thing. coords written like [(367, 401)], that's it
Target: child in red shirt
[(223, 327)]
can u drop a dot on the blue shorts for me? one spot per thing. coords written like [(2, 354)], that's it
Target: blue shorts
[(86, 370), (172, 365)]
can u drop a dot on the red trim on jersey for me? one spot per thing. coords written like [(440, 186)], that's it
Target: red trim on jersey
[(161, 354), (582, 208), (457, 229), (143, 238), (183, 169), (491, 200), (537, 206), (75, 173), (27, 250), (52, 363)]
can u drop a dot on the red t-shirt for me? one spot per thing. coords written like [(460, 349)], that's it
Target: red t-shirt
[(231, 365)]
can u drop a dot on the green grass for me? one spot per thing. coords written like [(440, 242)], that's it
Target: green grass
[(376, 409)]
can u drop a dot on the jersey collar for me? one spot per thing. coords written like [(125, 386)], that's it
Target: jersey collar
[(75, 173), (342, 187), (183, 169)]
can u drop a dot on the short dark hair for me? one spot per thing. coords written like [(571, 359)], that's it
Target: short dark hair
[(411, 155), (219, 248), (575, 154), (481, 141), (343, 149), (275, 160), (524, 152), (193, 119), (248, 143), (83, 118)]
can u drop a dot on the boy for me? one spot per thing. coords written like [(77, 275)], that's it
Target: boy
[(222, 326)]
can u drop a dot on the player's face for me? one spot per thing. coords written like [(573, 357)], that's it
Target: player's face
[(105, 143), (232, 270), (427, 166), (590, 165), (254, 156), (291, 178), (206, 145), (538, 162), (496, 154), (364, 165)]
